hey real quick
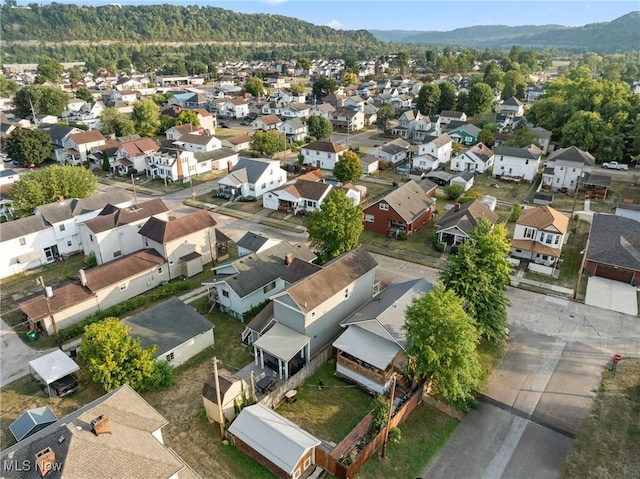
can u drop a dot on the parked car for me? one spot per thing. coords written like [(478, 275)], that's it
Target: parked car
[(65, 385), (224, 124), (614, 165)]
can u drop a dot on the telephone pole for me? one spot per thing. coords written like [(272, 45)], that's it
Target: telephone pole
[(215, 374), (386, 433), (48, 294)]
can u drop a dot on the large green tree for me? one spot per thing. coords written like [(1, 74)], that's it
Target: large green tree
[(479, 273), (188, 117), (448, 98), (323, 86), (584, 130), (84, 94), (522, 137), (254, 86), (114, 358), (441, 344), (44, 185), (349, 167), (48, 70), (514, 85), (384, 115), (268, 142), (114, 122), (479, 100), (146, 117), (336, 226), (43, 99), (319, 127), (30, 146), (428, 99)]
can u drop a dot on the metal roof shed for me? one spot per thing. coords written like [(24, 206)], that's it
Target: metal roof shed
[(31, 421), (53, 366)]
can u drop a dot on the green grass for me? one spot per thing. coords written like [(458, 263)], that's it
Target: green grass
[(423, 435), (490, 356), (506, 191), (330, 413), (374, 190), (280, 215), (276, 224), (572, 253), (252, 207)]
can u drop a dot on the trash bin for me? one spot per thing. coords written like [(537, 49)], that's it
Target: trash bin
[(32, 336)]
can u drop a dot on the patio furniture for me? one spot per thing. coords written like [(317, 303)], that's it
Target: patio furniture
[(290, 395), (264, 384)]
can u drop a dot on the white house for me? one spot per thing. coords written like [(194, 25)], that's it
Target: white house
[(296, 196), (175, 132), (79, 145), (198, 143), (566, 167), (463, 179), (266, 123), (237, 143), (322, 154), (543, 137), (134, 154), (294, 129), (512, 107), (322, 109), (434, 153), (235, 108), (628, 210), (447, 116), (519, 164), (346, 119), (27, 243), (477, 159), (253, 177)]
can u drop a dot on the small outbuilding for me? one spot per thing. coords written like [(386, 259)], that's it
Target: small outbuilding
[(231, 389), (31, 421), (178, 330)]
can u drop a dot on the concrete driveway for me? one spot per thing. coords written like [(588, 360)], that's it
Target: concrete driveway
[(14, 355), (613, 295)]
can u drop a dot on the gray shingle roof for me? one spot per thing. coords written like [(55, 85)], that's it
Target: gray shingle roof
[(572, 154), (22, 227), (112, 217), (252, 241), (69, 208), (614, 240), (531, 152), (466, 217), (167, 325), (249, 170)]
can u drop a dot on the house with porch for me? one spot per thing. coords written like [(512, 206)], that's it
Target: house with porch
[(406, 209), (78, 146), (237, 143), (252, 279), (253, 177), (456, 225), (59, 135), (297, 196), (322, 154), (372, 350), (322, 109), (347, 119), (477, 159), (516, 164), (234, 108), (466, 134), (432, 154), (306, 316), (198, 143), (294, 129), (266, 123), (512, 107), (175, 132), (566, 167), (134, 154), (447, 116), (538, 238)]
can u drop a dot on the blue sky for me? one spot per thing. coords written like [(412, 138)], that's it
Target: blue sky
[(439, 15)]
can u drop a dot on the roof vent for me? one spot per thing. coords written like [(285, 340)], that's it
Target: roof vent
[(100, 425), (45, 460)]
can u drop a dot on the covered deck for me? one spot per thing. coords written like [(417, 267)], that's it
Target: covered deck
[(283, 345)]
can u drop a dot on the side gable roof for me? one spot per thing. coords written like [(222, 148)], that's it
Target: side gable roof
[(543, 217), (532, 152), (88, 136), (572, 154), (328, 146), (68, 208), (409, 201), (162, 231), (466, 217), (122, 268), (111, 217), (22, 227)]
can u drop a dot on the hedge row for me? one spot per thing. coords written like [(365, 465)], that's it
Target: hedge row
[(115, 311)]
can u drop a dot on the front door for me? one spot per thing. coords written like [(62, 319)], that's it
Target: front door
[(51, 253)]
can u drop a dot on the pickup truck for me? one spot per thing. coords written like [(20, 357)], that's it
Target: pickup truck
[(614, 165)]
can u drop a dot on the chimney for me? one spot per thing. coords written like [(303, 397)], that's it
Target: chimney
[(100, 425), (60, 198), (45, 460), (456, 207), (288, 259), (83, 278), (229, 166)]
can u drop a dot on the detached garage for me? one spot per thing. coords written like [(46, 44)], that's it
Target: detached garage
[(613, 250)]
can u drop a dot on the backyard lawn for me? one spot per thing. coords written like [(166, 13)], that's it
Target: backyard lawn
[(330, 412)]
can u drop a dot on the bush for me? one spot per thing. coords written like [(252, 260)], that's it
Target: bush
[(91, 260), (515, 212), (434, 237), (161, 378), (454, 249), (395, 435), (440, 247), (402, 236), (379, 413), (454, 191), (383, 165)]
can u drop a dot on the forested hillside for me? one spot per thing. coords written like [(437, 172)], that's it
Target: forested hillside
[(163, 23)]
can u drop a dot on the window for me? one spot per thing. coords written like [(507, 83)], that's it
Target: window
[(296, 473), (160, 270), (117, 253), (541, 236), (225, 293), (170, 357), (573, 170), (384, 206), (69, 243), (549, 239), (146, 242), (123, 286), (307, 463), (62, 227), (91, 238), (557, 239), (369, 218), (544, 257), (251, 188), (557, 180), (23, 242), (526, 162), (528, 233), (269, 287), (346, 293)]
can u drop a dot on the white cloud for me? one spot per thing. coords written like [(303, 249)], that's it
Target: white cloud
[(335, 24), (274, 2)]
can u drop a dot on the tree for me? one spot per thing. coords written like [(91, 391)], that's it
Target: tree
[(146, 117), (514, 85), (319, 127), (323, 86), (441, 344), (43, 186), (304, 63), (298, 88), (254, 86), (584, 130), (522, 136), (113, 122), (480, 99), (268, 142), (349, 78), (349, 167), (29, 146), (7, 87), (462, 101), (335, 228), (106, 164), (493, 75), (114, 358), (49, 70), (454, 191), (447, 97), (188, 117), (44, 99), (428, 99), (479, 274), (84, 94), (384, 115), (487, 136)]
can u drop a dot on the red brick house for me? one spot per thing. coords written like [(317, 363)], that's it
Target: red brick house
[(407, 208)]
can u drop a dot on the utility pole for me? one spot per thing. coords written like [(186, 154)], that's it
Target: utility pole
[(215, 374), (48, 294), (135, 196), (253, 388), (386, 433)]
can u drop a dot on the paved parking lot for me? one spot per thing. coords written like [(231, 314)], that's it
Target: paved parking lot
[(613, 295)]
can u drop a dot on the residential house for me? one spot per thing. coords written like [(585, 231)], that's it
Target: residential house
[(346, 119), (307, 315), (252, 279), (464, 179), (447, 116), (477, 159), (220, 159), (252, 177), (297, 196), (456, 225), (628, 210), (254, 243), (237, 143), (538, 237), (295, 110), (406, 124), (126, 83), (322, 109), (406, 209), (27, 243), (394, 151), (280, 445), (533, 93), (116, 435), (354, 102), (294, 130), (176, 341), (7, 175), (266, 123), (232, 388), (134, 155), (322, 154), (95, 289), (189, 100), (517, 164), (198, 143), (234, 108), (612, 252), (432, 154), (336, 100), (60, 139), (79, 145), (543, 137), (373, 347), (65, 216), (566, 167), (187, 242), (370, 163), (114, 232), (466, 134), (512, 107), (176, 132)]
